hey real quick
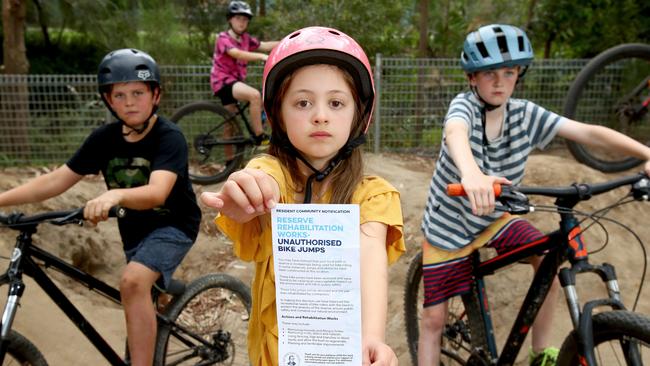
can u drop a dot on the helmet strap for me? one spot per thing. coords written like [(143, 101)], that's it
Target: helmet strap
[(138, 131), (489, 107), (320, 175)]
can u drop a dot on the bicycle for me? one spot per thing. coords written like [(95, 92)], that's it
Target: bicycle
[(468, 336), (217, 143), (613, 90), (205, 322)]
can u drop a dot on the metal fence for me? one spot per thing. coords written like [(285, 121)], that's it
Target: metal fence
[(44, 118)]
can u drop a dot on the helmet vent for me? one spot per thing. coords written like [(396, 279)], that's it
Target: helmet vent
[(502, 42), (520, 43), (482, 49), (294, 35), (335, 33)]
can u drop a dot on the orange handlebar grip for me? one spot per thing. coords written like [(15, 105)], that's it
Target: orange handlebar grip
[(456, 189)]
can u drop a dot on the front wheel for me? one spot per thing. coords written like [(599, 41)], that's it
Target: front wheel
[(20, 351), (612, 90), (620, 338), (206, 325), (216, 143)]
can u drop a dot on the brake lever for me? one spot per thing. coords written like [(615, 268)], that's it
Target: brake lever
[(514, 202), (75, 217), (641, 190)]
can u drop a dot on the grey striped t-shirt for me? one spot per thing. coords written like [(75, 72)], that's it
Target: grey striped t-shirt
[(448, 222)]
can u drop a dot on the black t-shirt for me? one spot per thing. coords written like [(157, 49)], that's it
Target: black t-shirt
[(130, 164)]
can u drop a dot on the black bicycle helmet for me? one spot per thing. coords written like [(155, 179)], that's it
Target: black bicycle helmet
[(239, 8), (124, 65)]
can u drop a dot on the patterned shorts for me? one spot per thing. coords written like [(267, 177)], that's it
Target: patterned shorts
[(449, 273)]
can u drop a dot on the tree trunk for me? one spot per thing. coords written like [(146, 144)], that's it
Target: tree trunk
[(423, 51), (42, 20), (14, 93)]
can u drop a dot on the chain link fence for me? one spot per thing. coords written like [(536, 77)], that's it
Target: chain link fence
[(44, 118)]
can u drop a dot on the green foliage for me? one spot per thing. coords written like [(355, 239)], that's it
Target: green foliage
[(583, 29), (183, 31), (72, 54)]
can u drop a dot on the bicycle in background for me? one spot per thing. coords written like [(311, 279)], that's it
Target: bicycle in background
[(205, 323), (219, 142), (612, 90), (604, 331)]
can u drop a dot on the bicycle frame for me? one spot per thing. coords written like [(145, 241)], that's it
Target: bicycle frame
[(23, 262), (235, 141), (561, 245)]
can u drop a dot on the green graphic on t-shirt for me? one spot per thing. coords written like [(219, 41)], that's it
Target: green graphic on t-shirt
[(128, 172)]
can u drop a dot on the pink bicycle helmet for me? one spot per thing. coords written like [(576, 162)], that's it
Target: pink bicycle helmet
[(319, 45)]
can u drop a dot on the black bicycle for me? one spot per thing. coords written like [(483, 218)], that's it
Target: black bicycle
[(612, 90), (611, 336), (217, 142), (205, 323)]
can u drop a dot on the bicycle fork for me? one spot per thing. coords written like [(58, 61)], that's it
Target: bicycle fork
[(582, 318), (16, 289)]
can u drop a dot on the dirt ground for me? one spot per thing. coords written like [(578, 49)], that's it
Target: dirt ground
[(98, 250)]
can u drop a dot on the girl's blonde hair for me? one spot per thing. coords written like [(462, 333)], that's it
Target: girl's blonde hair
[(348, 173)]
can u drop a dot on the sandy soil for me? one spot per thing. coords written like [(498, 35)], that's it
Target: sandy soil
[(98, 250)]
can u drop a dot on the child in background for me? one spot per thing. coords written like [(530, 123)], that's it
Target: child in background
[(232, 51), (143, 158), (319, 96), (487, 139)]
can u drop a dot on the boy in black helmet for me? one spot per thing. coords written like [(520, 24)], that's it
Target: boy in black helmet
[(143, 158), (233, 50)]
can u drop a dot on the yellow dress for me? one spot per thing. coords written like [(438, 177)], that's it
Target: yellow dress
[(378, 201)]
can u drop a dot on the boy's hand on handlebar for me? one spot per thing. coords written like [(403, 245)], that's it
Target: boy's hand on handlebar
[(378, 353), (97, 209), (646, 167), (480, 192), (247, 193)]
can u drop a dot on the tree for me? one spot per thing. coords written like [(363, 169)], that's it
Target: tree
[(13, 46), (14, 109)]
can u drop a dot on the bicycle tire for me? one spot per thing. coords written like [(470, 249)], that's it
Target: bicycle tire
[(22, 351), (595, 96), (456, 347), (215, 307), (614, 325), (211, 157)]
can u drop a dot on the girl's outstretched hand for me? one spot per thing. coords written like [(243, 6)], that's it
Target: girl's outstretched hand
[(378, 353), (246, 194)]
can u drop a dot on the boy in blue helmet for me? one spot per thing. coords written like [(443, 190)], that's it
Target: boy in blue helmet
[(143, 158), (487, 139)]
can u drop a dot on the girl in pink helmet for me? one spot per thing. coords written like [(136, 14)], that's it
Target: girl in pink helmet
[(319, 96)]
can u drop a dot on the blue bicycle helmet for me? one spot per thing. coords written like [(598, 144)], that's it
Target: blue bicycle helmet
[(494, 46)]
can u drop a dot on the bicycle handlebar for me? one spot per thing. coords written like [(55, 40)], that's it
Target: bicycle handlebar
[(578, 191), (18, 220)]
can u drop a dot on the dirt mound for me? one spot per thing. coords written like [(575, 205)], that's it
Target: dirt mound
[(98, 250)]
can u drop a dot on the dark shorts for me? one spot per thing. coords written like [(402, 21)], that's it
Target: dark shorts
[(161, 251), (445, 280), (225, 94)]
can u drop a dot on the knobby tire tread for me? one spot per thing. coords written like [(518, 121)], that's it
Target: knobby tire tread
[(24, 351), (193, 289), (610, 325), (596, 64), (205, 106)]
